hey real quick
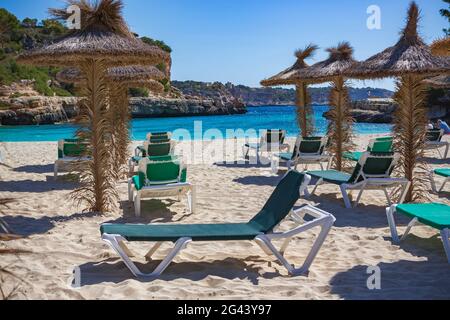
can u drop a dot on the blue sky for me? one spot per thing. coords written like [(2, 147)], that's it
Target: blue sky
[(248, 40)]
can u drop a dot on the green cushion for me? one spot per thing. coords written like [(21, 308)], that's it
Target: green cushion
[(382, 146), (139, 181), (158, 149), (280, 203), (384, 139), (331, 176), (353, 156), (443, 172), (310, 146), (198, 232), (159, 172), (73, 150), (436, 215)]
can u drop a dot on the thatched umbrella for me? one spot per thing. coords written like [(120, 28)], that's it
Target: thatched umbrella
[(120, 79), (411, 60), (303, 100), (441, 47), (334, 70), (103, 41), (439, 82)]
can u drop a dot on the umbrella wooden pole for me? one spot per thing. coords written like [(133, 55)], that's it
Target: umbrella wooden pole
[(304, 111), (97, 178), (341, 121), (410, 134)]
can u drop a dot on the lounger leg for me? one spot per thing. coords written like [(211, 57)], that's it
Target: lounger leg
[(264, 241), (318, 183), (447, 147), (408, 229), (347, 202), (388, 198), (137, 204), (152, 251), (391, 220), (445, 240), (131, 166), (433, 182), (55, 170), (130, 190), (443, 185), (440, 154), (112, 240), (359, 195)]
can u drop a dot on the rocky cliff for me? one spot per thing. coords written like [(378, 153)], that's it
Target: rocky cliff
[(21, 105)]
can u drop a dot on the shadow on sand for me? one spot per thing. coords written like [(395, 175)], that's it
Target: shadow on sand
[(39, 169), (36, 186), (114, 270), (398, 281), (152, 211), (26, 226)]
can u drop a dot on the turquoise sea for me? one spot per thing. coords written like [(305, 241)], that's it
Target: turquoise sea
[(207, 127)]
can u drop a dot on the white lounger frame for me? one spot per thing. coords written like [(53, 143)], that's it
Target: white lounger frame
[(371, 182), (303, 158), (263, 146), (445, 233), (322, 219), (163, 189), (433, 182), (437, 145)]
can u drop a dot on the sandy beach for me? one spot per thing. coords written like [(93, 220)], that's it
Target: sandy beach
[(60, 238)]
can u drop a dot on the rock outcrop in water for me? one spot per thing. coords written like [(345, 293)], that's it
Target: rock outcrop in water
[(382, 110)]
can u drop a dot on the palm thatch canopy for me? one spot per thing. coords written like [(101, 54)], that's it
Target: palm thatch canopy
[(104, 35), (441, 47), (287, 77), (410, 55), (338, 64), (439, 82), (118, 74)]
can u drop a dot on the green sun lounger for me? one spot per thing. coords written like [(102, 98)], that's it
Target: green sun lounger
[(373, 171), (444, 173), (384, 144), (307, 150), (262, 229), (435, 215), (271, 140), (160, 177)]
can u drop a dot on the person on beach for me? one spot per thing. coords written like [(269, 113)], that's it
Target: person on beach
[(444, 126)]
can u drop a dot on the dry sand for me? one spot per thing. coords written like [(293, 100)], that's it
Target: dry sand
[(61, 237)]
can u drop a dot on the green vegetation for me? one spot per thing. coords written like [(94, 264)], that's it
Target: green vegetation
[(158, 43), (138, 92), (16, 36), (446, 14)]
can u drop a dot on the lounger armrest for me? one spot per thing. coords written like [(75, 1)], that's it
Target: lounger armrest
[(140, 151), (322, 218)]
